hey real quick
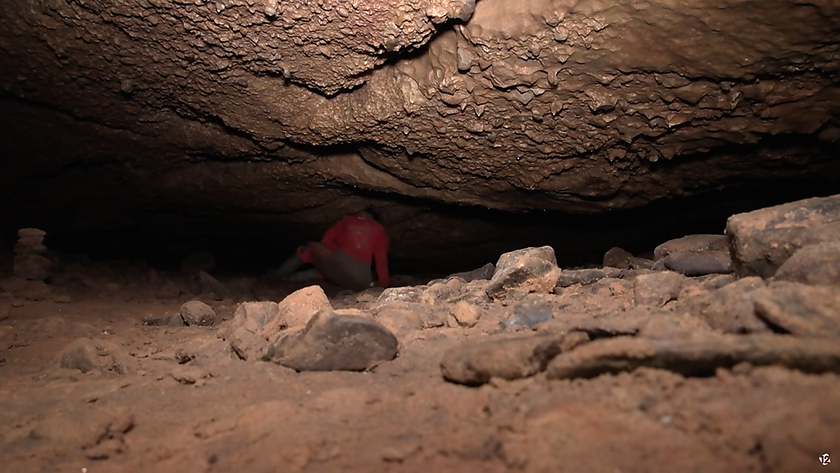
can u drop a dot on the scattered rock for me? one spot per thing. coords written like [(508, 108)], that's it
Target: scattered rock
[(196, 262), (513, 358), (570, 277), (32, 267), (247, 333), (402, 317), (465, 314), (696, 357), (198, 313), (730, 308), (212, 287), (85, 355), (171, 320), (699, 263), (657, 288), (800, 309), (298, 307), (813, 264), (530, 312), (764, 239), (523, 271), (483, 273), (335, 342), (691, 243), (401, 294), (189, 375), (617, 258)]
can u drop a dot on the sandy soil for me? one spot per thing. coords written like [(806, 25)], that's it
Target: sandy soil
[(185, 403)]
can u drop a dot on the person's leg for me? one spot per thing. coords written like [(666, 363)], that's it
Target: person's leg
[(288, 267), (340, 269)]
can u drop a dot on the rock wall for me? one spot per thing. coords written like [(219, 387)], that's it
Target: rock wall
[(294, 113)]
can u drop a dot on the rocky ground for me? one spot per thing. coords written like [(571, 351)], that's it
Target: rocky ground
[(716, 353)]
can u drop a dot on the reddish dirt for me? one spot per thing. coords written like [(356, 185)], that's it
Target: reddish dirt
[(218, 413)]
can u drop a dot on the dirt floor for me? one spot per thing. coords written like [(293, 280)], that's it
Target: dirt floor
[(178, 399)]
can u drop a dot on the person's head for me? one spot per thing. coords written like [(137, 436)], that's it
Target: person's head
[(374, 212)]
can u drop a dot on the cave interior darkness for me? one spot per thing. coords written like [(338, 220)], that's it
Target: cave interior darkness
[(251, 248)]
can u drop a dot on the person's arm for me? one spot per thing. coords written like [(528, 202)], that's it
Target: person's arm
[(380, 257), (330, 239)]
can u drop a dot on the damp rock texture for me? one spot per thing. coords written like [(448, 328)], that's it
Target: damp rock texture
[(266, 108)]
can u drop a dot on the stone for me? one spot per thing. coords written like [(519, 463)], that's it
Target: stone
[(691, 243), (483, 273), (525, 270), (640, 263), (570, 277), (247, 333), (211, 286), (333, 342), (298, 307), (530, 312), (32, 267), (699, 263), (764, 239), (696, 357), (799, 309), (17, 303), (401, 294), (5, 311), (198, 313), (657, 288), (402, 317), (729, 309), (31, 233), (465, 314), (171, 320), (617, 258), (513, 358), (35, 291), (813, 264), (86, 355), (195, 262)]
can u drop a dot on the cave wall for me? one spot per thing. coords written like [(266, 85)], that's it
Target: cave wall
[(286, 115)]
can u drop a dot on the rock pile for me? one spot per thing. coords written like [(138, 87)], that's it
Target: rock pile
[(30, 262)]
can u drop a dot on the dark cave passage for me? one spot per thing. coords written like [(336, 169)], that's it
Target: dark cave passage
[(252, 247)]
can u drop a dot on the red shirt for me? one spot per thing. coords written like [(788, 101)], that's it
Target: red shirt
[(363, 239)]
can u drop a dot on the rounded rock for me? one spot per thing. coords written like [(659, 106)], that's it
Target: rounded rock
[(198, 313)]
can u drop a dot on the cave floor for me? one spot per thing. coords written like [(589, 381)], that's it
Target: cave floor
[(218, 413)]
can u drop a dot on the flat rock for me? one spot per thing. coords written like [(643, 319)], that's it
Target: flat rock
[(729, 309), (401, 294), (402, 317), (699, 263), (657, 288), (813, 264), (247, 332), (617, 258), (802, 310), (212, 286), (85, 355), (198, 313), (195, 262), (299, 306), (171, 320), (764, 239), (33, 267), (696, 357), (31, 233), (523, 271), (513, 358), (483, 273), (333, 342), (690, 243), (570, 277)]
